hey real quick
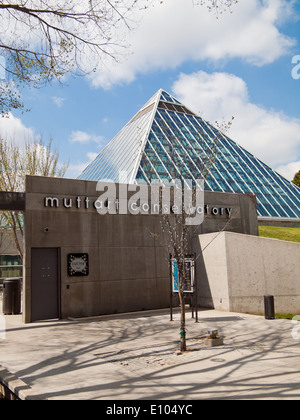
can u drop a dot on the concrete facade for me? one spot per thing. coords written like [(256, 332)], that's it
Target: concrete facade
[(237, 271), (128, 257)]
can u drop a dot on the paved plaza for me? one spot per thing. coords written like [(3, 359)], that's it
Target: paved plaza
[(135, 357)]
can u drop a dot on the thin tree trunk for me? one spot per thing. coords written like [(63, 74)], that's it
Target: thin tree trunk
[(182, 322)]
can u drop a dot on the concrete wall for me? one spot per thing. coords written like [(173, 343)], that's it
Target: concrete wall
[(236, 271), (126, 262), (128, 255)]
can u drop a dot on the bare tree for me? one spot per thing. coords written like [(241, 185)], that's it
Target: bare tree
[(35, 158), (44, 40), (175, 227), (2, 222), (41, 40), (58, 33), (217, 6)]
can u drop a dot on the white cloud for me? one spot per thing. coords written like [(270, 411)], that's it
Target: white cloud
[(12, 129), (176, 31), (92, 155), (84, 137), (79, 137), (270, 135), (289, 170), (58, 101), (75, 169)]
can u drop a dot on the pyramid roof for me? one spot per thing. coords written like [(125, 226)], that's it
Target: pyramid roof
[(165, 140)]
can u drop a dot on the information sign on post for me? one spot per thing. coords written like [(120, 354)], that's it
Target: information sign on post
[(190, 283), (189, 275)]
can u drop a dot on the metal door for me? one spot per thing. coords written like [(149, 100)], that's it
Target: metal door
[(45, 277)]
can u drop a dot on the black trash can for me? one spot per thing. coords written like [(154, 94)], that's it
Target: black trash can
[(12, 296), (269, 307)]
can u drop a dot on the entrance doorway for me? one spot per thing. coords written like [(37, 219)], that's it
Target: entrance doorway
[(45, 281)]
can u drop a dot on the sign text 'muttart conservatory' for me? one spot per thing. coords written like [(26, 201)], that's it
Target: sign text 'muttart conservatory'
[(139, 199)]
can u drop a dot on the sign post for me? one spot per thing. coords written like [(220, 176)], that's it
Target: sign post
[(190, 283)]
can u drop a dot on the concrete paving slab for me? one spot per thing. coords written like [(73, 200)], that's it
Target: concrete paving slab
[(133, 357)]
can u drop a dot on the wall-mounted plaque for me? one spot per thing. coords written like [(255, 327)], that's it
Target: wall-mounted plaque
[(78, 265)]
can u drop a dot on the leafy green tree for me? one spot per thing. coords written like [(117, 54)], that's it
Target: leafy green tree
[(296, 179)]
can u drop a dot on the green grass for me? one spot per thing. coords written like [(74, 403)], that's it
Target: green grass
[(284, 316), (282, 233)]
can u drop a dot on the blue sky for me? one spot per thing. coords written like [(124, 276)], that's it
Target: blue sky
[(237, 65)]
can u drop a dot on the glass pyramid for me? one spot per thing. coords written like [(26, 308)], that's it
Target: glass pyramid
[(165, 140)]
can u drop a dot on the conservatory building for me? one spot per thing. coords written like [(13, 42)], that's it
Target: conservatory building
[(165, 140)]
